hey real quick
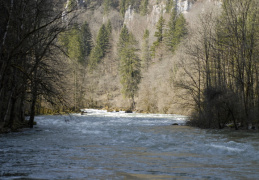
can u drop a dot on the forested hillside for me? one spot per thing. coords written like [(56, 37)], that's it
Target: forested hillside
[(129, 63), (193, 57)]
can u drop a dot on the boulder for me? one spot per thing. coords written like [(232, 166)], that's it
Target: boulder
[(128, 111)]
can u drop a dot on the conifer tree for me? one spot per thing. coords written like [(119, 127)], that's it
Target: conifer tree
[(63, 40), (144, 7), (169, 5), (107, 5), (145, 50), (170, 34), (129, 65), (86, 40), (77, 43), (102, 46), (159, 34), (122, 7), (124, 37), (109, 28), (124, 4), (72, 4), (103, 40), (95, 57), (180, 29), (74, 45)]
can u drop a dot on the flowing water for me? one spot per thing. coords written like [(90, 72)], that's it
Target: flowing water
[(103, 145)]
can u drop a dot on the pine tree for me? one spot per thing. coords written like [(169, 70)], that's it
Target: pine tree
[(159, 34), (176, 30), (169, 5), (144, 7), (103, 40), (64, 41), (95, 57), (86, 40), (123, 39), (122, 7), (101, 48), (72, 4), (109, 28), (145, 50), (107, 4), (180, 29), (74, 45), (170, 34), (129, 65), (124, 4)]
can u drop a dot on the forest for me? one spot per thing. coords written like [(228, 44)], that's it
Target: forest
[(192, 57)]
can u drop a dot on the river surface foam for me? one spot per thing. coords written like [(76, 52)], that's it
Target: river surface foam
[(102, 145)]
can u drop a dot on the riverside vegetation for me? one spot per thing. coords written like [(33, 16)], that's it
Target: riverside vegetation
[(146, 55)]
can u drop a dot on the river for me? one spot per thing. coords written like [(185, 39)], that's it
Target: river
[(101, 145)]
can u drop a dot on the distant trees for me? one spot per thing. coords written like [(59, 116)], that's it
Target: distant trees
[(130, 67), (86, 42), (159, 34), (169, 5), (77, 43), (107, 5), (170, 34), (102, 45), (145, 55), (144, 7), (176, 31), (124, 5), (225, 59)]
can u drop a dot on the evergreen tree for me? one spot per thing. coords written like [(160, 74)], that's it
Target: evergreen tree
[(129, 65), (180, 29), (95, 57), (123, 39), (144, 7), (122, 7), (74, 45), (72, 4), (124, 4), (107, 4), (64, 41), (170, 34), (77, 43), (159, 34), (145, 50), (109, 28), (103, 40), (169, 5), (102, 46), (86, 40)]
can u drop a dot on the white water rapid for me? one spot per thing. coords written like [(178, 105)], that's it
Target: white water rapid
[(101, 145)]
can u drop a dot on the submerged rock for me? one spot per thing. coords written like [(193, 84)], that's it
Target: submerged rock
[(83, 112)]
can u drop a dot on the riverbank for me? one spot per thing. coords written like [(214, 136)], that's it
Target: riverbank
[(17, 126)]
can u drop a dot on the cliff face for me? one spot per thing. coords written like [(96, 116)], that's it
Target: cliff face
[(156, 9)]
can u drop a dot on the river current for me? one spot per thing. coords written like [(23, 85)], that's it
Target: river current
[(101, 145)]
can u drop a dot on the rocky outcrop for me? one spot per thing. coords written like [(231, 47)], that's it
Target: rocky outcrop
[(156, 9)]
